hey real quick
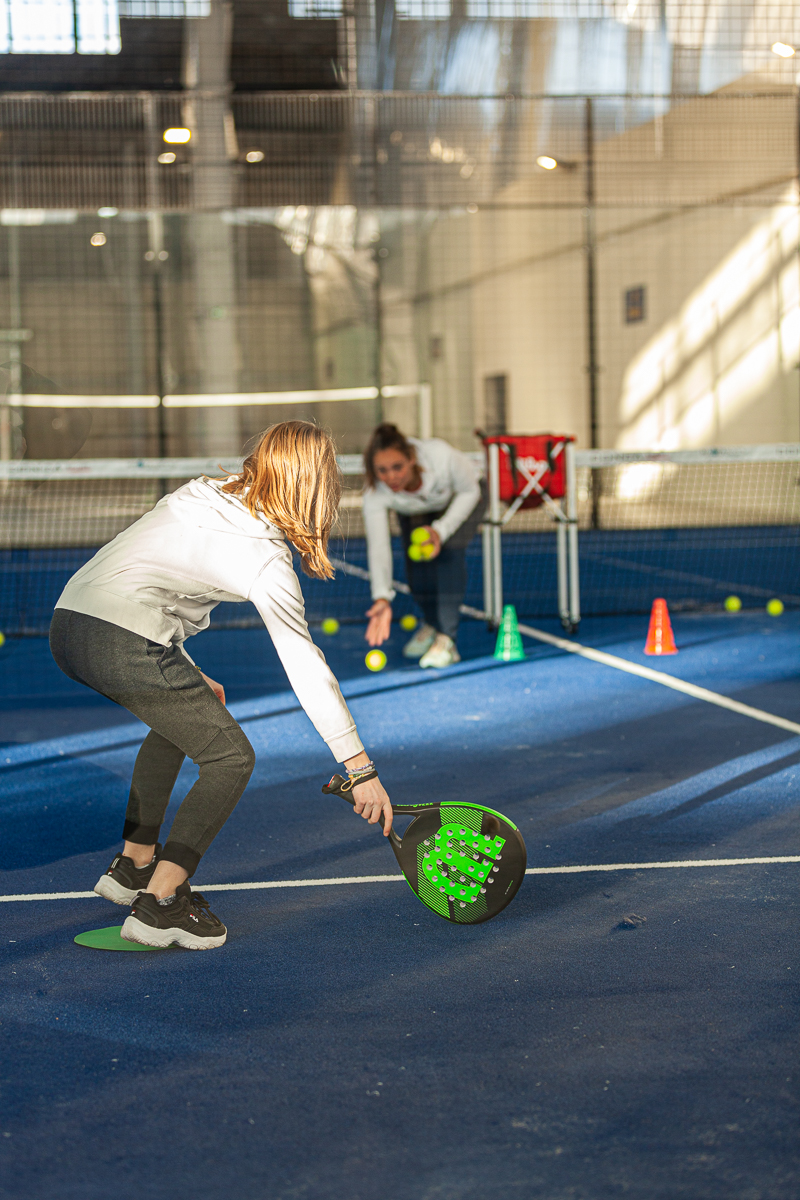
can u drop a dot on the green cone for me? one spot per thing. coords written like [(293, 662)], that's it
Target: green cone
[(509, 646)]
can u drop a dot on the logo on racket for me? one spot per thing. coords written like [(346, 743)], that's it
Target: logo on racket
[(460, 863)]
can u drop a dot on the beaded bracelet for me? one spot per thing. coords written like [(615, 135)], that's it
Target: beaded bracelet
[(357, 772)]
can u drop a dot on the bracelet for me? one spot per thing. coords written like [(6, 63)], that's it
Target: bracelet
[(357, 772)]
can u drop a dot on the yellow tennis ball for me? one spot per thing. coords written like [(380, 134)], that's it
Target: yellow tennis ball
[(415, 552), (330, 626), (775, 607), (420, 535), (2, 638), (375, 660), (427, 550), (408, 622), (733, 603)]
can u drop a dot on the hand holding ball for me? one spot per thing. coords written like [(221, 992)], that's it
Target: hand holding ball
[(421, 547)]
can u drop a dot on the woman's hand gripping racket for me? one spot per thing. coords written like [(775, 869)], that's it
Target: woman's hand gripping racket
[(463, 861)]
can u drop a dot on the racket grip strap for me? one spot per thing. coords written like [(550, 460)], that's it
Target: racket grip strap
[(338, 786)]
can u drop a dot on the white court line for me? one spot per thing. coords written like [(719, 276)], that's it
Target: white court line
[(678, 685), (584, 869)]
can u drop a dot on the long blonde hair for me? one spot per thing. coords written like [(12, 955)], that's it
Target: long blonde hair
[(293, 480)]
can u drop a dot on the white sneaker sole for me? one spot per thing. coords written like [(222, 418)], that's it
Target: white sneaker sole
[(440, 664), (109, 889), (135, 930)]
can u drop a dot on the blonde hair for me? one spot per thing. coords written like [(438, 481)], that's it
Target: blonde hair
[(293, 480)]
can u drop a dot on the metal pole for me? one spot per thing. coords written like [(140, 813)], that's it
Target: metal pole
[(425, 411), (496, 610), (572, 538), (14, 351), (590, 249), (562, 567), (488, 601)]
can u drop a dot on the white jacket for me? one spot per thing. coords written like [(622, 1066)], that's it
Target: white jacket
[(449, 480), (162, 577)]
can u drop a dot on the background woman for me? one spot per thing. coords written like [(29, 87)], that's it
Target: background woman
[(120, 627), (430, 484)]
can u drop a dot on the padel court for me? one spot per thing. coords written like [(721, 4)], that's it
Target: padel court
[(614, 1032)]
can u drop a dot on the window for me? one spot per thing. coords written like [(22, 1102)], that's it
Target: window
[(422, 10), (59, 27), (164, 8), (315, 10)]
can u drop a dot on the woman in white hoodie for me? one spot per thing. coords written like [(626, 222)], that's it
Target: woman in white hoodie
[(120, 627), (430, 485)]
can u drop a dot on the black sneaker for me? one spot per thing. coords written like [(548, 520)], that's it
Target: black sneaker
[(123, 881), (186, 922)]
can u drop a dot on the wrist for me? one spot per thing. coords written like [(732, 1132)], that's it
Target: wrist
[(358, 760)]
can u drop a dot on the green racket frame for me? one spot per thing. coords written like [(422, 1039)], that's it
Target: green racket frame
[(464, 861)]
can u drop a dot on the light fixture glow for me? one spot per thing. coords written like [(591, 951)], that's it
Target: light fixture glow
[(548, 163), (782, 50), (98, 239), (107, 212), (254, 156), (167, 157), (177, 137)]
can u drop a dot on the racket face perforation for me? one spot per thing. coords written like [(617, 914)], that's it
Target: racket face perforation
[(467, 865)]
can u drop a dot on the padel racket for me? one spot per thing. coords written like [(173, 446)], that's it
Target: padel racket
[(463, 861)]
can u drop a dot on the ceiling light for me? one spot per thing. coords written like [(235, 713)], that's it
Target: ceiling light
[(98, 239), (254, 156), (107, 212), (548, 163), (177, 137), (167, 157), (782, 50)]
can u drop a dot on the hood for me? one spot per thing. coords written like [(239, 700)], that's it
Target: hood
[(202, 503)]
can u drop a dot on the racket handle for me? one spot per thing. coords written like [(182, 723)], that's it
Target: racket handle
[(338, 786)]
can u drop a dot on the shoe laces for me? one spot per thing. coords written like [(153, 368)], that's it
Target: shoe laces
[(199, 901)]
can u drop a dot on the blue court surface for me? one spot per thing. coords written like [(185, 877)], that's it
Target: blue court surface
[(614, 1033)]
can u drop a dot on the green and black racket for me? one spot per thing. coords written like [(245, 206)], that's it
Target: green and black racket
[(463, 861)]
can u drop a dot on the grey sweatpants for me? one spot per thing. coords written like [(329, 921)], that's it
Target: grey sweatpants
[(160, 686)]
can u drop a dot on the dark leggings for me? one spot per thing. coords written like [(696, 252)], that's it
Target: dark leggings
[(438, 586), (160, 686)]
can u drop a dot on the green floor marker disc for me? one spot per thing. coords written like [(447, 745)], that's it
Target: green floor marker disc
[(109, 939)]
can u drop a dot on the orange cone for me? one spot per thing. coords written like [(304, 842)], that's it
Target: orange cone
[(659, 635)]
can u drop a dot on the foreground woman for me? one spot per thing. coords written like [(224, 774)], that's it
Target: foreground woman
[(434, 487), (120, 627)]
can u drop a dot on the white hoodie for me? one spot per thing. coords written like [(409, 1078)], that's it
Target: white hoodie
[(162, 577), (449, 481)]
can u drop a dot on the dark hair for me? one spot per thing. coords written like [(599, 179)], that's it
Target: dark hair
[(385, 437)]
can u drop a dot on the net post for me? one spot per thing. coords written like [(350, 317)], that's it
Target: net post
[(486, 542), (425, 411), (496, 565), (562, 568), (573, 566)]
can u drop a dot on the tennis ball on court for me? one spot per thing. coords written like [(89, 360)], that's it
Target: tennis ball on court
[(774, 607), (732, 603), (408, 622), (3, 637), (420, 535), (375, 660), (330, 626)]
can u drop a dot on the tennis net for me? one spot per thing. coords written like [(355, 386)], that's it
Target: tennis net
[(693, 526)]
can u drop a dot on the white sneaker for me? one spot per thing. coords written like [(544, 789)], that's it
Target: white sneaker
[(420, 643), (442, 653)]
